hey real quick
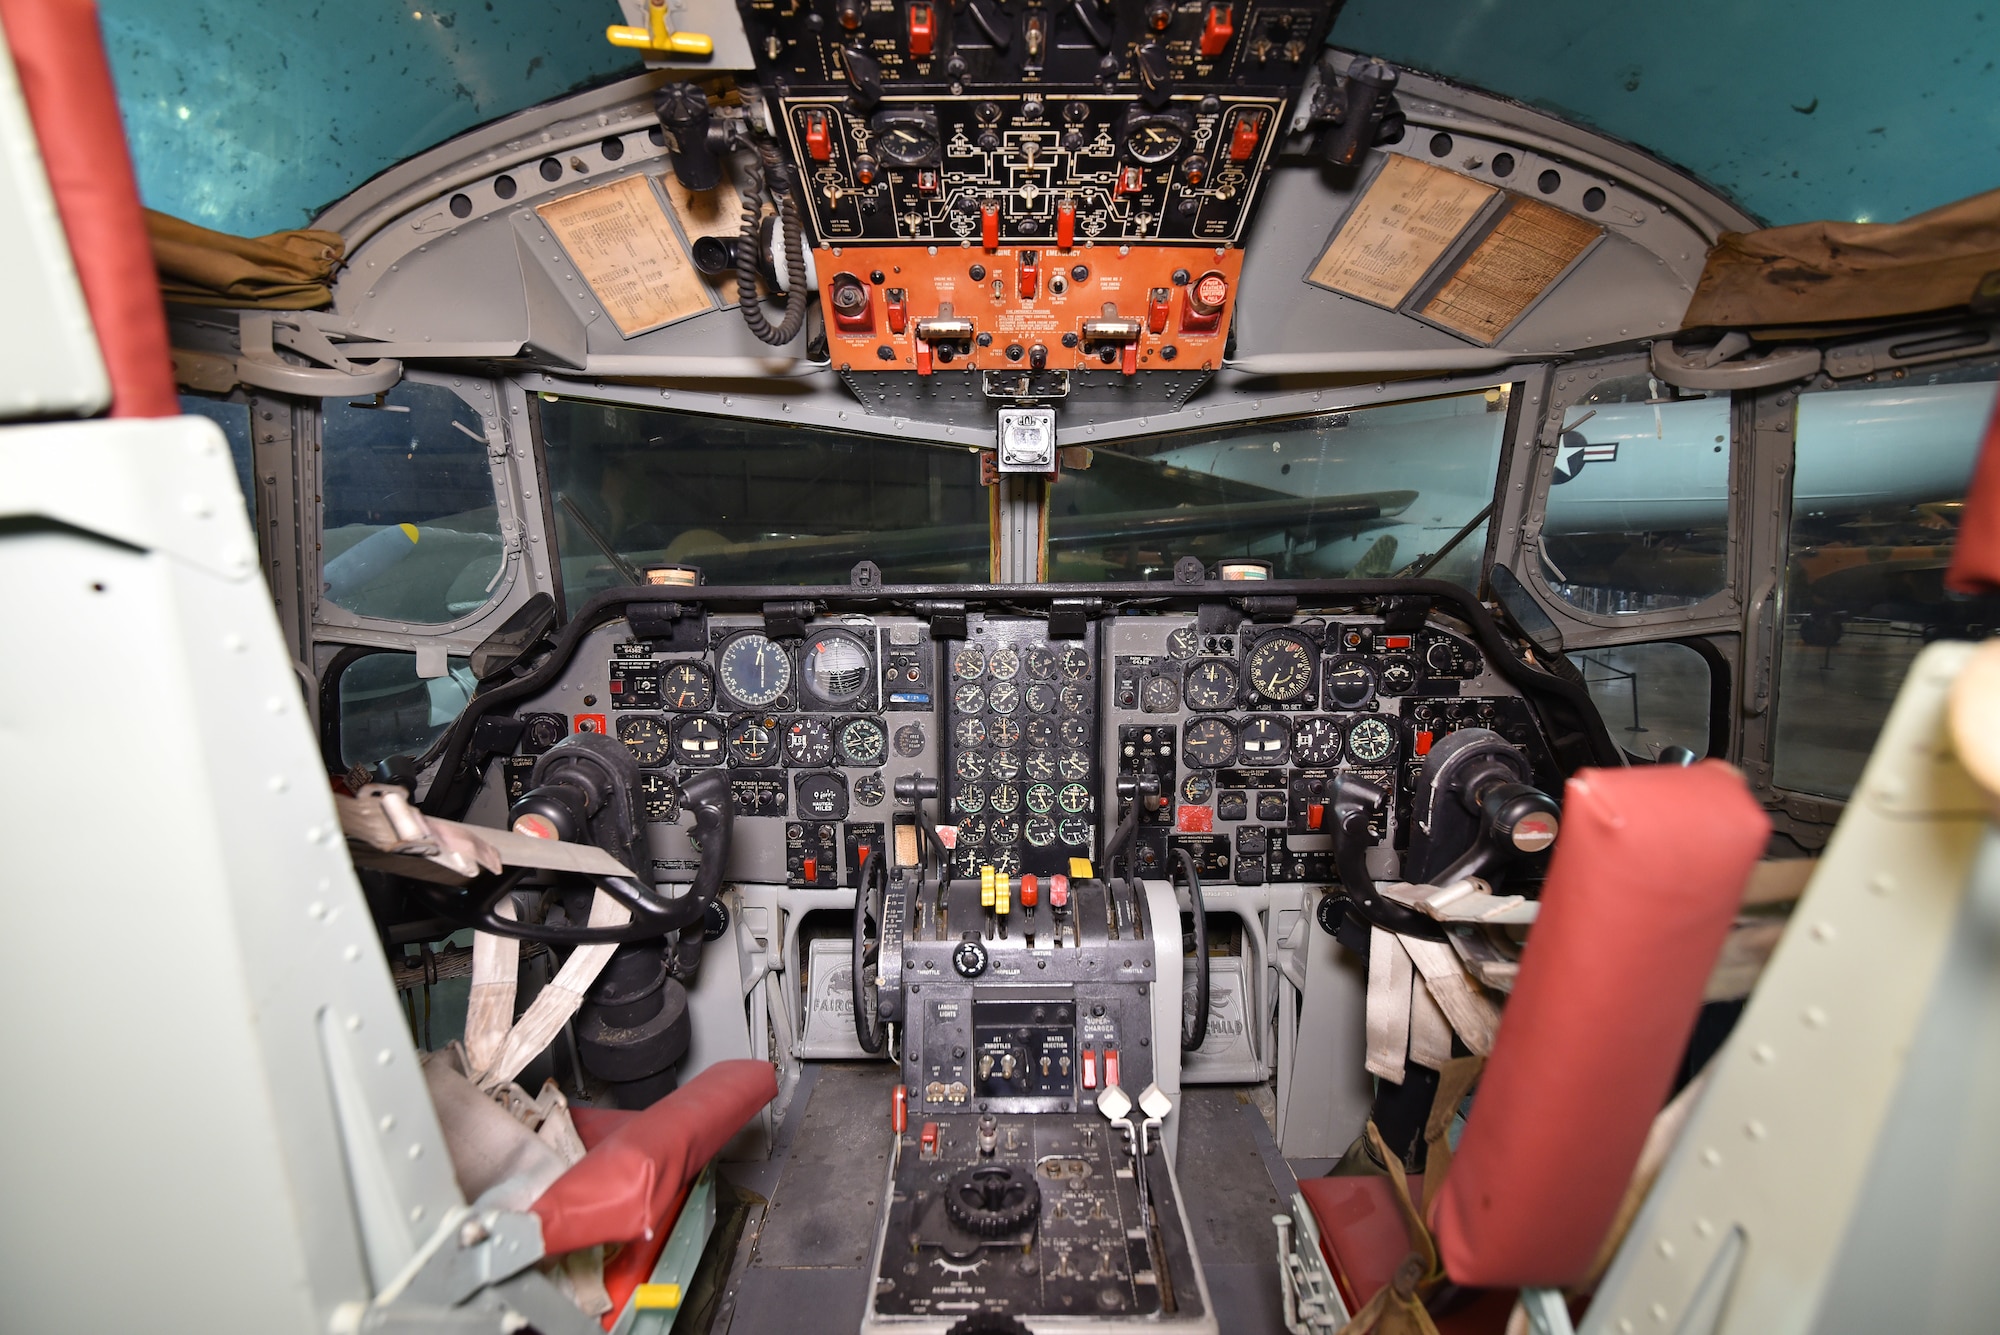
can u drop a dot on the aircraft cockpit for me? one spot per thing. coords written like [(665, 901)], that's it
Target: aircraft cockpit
[(966, 667)]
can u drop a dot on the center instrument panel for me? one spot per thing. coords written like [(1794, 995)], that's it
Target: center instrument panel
[(1056, 185), (1027, 723)]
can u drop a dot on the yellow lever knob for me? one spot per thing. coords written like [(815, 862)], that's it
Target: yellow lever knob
[(657, 39)]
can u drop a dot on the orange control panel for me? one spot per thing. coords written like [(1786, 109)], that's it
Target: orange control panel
[(990, 307)]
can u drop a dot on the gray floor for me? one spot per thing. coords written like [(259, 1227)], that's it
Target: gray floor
[(803, 1262)]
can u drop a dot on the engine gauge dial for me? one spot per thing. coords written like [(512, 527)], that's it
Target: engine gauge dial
[(1040, 698), (1041, 798), (1316, 741), (1198, 789), (1209, 743), (698, 741), (1004, 663), (1350, 683), (1006, 861), (1154, 140), (808, 741), (969, 699), (660, 797), (868, 790), (687, 687), (1074, 699), (1039, 732), (910, 740), (1073, 732), (1160, 695), (969, 765), (754, 670), (1369, 741), (1040, 661), (971, 832), (1040, 766), (1004, 732), (1399, 676), (1003, 697), (1075, 663), (1182, 644), (907, 143), (1040, 831), (646, 738), (1281, 666), (837, 668), (1074, 831), (1264, 740), (969, 732), (1005, 798), (862, 742), (969, 663), (1006, 765), (969, 798), (1211, 685), (1074, 798), (1003, 830), (751, 742), (1073, 763)]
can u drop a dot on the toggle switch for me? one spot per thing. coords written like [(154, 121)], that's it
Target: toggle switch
[(989, 225), (1216, 29), (1066, 224), (1028, 264), (1243, 140), (1158, 302), (809, 870), (819, 138), (923, 28), (1090, 1068), (1111, 1068)]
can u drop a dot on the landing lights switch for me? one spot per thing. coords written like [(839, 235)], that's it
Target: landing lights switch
[(1027, 440)]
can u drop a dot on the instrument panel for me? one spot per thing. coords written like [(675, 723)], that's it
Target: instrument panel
[(1026, 723)]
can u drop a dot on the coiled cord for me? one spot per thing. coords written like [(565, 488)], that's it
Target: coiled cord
[(759, 173)]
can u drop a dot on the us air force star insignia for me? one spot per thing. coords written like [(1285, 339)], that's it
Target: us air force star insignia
[(1574, 452)]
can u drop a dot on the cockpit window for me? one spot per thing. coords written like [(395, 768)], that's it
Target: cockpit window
[(386, 709), (751, 501), (1878, 486), (410, 529), (1367, 492)]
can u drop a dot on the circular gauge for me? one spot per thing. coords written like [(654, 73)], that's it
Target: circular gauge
[(1073, 764), (1281, 666), (1198, 788), (1041, 662), (1073, 798), (1074, 831), (1316, 742), (1350, 683), (1074, 699), (1264, 740), (1003, 830), (1041, 798), (1040, 830), (1182, 644), (755, 671), (1039, 732), (1004, 732), (1003, 697), (1369, 741), (1006, 765), (660, 798), (1073, 732), (969, 765), (969, 798), (544, 731), (1154, 141), (646, 738), (1160, 695), (836, 667), (1005, 799), (698, 741), (687, 687), (969, 860), (862, 742), (1439, 658), (1040, 697), (1399, 676), (1211, 685), (1040, 766), (910, 740), (751, 742), (1209, 743), (906, 142), (969, 699), (868, 790), (809, 741), (1075, 663), (1006, 861), (969, 663), (971, 832), (1004, 663), (821, 796), (969, 732)]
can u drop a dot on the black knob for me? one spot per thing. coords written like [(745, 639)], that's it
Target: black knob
[(1156, 76), (968, 959), (864, 76)]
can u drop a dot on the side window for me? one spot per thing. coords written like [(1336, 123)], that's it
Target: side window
[(1637, 518), (385, 709), (1652, 696), (1879, 479), (234, 419), (410, 528)]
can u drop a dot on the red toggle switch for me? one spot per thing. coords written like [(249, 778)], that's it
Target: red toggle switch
[(929, 1140), (923, 357), (861, 852), (1131, 180), (1030, 267), (1111, 1067), (1090, 1068), (1059, 891), (1066, 224), (989, 225), (810, 869), (819, 141), (1244, 139), (1030, 895), (1128, 358), (1315, 815), (923, 29), (899, 1109), (927, 182), (1424, 743), (895, 301), (1158, 301), (1217, 29)]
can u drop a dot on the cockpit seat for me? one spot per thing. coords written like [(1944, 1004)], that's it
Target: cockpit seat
[(1640, 895)]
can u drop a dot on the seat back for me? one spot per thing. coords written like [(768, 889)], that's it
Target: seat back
[(1640, 895)]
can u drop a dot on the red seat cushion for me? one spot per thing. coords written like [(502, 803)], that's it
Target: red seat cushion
[(1645, 881), (1975, 560), (1362, 1237)]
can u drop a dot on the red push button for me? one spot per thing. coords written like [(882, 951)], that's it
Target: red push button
[(1090, 1068), (923, 29), (1217, 29), (819, 139), (1248, 134), (989, 225), (1066, 224)]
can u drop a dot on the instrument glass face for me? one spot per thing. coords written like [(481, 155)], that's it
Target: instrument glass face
[(1209, 743), (755, 671), (863, 742), (698, 741), (1281, 667), (1264, 740), (1369, 741), (1317, 741), (646, 738), (1211, 685), (837, 667), (687, 687), (808, 741)]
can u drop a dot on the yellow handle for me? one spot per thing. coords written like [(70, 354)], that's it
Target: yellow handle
[(656, 39)]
